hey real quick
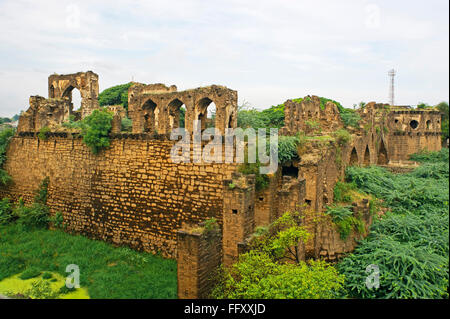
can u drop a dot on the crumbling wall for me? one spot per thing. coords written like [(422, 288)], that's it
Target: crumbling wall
[(60, 86), (199, 253), (129, 194), (156, 107), (305, 115)]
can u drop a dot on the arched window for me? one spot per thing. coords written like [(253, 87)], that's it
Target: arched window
[(150, 123), (206, 113), (367, 156), (353, 158), (176, 114), (382, 155)]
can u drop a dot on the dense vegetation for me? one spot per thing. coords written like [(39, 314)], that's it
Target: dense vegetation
[(5, 136), (410, 244), (116, 95), (273, 268), (95, 129)]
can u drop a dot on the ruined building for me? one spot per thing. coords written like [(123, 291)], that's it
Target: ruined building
[(133, 194)]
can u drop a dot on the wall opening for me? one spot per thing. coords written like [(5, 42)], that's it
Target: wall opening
[(428, 125), (414, 124), (74, 96), (289, 171), (206, 113), (175, 118), (353, 158), (150, 123), (367, 156), (382, 155)]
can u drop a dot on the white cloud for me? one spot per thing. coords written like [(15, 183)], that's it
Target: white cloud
[(268, 50)]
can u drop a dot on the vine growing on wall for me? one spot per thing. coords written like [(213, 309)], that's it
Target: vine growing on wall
[(5, 137)]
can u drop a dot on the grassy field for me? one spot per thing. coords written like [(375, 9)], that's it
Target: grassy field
[(105, 271)]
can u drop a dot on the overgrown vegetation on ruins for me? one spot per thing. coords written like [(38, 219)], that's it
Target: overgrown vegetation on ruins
[(410, 244), (116, 95), (274, 269), (94, 128), (5, 136)]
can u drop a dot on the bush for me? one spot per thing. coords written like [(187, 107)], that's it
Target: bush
[(5, 137), (96, 128), (343, 137), (410, 245), (31, 217), (43, 133), (6, 215), (116, 95), (256, 276), (344, 220), (126, 124)]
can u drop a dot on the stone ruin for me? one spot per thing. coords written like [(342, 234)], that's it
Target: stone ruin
[(58, 108), (156, 107), (131, 194)]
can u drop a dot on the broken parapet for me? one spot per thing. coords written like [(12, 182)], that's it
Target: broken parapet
[(238, 214), (199, 253)]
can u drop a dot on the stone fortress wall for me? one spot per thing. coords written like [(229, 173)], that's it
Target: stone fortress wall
[(133, 194)]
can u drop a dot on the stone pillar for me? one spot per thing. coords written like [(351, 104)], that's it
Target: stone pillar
[(238, 214), (199, 253)]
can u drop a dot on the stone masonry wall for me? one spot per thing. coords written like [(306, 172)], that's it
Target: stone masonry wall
[(130, 194)]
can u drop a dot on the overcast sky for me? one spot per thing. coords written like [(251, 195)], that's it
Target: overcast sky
[(269, 51)]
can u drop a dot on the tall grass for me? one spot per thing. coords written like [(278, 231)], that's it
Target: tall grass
[(410, 244)]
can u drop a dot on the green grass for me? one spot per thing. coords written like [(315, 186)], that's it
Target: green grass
[(106, 271)]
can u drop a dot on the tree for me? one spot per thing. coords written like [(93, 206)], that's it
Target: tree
[(273, 267), (443, 107), (116, 95)]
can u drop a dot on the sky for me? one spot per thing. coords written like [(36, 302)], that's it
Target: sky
[(269, 51)]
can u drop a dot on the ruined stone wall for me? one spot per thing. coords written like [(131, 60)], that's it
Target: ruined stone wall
[(198, 255), (156, 107), (305, 115), (411, 131), (130, 194)]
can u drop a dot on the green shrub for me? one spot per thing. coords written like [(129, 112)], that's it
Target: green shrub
[(287, 148), (34, 216), (42, 192), (126, 124), (344, 220), (257, 276), (342, 192), (410, 245), (96, 129), (350, 118), (43, 133), (6, 215), (116, 95), (30, 272), (5, 137), (343, 137)]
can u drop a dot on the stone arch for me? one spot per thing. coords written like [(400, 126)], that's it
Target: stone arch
[(382, 155), (353, 157), (201, 111), (149, 118), (173, 109), (68, 94), (429, 125), (367, 156)]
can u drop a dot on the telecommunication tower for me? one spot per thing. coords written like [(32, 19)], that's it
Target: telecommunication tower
[(391, 74)]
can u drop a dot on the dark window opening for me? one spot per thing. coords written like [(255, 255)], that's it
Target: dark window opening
[(234, 211), (289, 171), (308, 202), (414, 124), (396, 121), (261, 199)]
